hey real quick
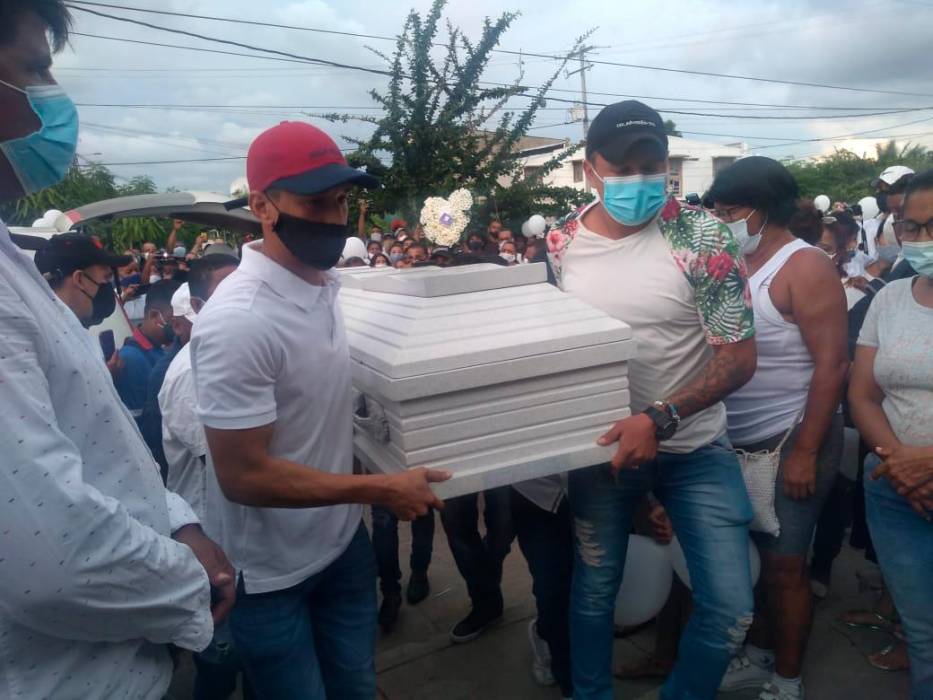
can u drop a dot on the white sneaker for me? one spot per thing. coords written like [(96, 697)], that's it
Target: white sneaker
[(541, 666), (772, 692), (744, 673)]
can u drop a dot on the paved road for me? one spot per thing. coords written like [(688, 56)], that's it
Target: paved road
[(418, 662)]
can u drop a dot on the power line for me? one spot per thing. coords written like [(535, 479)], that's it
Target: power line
[(167, 162), (842, 136), (228, 42), (191, 69), (297, 108), (526, 54)]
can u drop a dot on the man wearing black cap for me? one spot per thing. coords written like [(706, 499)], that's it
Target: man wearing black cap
[(676, 276), (101, 568), (272, 374), (80, 272)]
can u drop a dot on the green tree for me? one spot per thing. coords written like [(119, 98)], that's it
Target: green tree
[(671, 128), (846, 176), (433, 135)]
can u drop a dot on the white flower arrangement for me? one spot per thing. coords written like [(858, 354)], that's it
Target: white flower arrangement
[(445, 220)]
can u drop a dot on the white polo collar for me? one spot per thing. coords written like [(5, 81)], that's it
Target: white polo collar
[(282, 281)]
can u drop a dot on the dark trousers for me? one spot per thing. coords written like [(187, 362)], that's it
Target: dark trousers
[(479, 559), (546, 541), (385, 544), (831, 527), (217, 681)]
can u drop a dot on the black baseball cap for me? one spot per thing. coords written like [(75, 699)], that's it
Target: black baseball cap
[(620, 126), (68, 252)]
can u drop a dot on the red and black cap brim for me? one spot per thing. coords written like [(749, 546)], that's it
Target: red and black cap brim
[(317, 181)]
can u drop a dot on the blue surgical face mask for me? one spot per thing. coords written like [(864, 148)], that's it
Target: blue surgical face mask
[(920, 257), (43, 158), (635, 199)]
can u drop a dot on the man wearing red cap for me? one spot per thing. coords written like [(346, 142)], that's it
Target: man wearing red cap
[(272, 372)]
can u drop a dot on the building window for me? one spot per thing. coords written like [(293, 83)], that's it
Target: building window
[(721, 163), (675, 176), (578, 171), (531, 171)]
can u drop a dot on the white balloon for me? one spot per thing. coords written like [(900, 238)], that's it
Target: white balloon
[(646, 583), (679, 562), (51, 215), (525, 232), (869, 208), (40, 223), (536, 225), (822, 203)]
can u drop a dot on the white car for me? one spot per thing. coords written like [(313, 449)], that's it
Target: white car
[(204, 208)]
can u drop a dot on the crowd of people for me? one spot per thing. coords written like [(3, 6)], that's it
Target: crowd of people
[(195, 489)]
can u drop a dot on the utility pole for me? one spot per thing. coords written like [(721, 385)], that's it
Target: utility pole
[(584, 67)]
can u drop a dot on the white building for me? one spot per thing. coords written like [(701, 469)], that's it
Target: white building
[(693, 164)]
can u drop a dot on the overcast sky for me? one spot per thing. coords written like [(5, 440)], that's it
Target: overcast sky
[(870, 45)]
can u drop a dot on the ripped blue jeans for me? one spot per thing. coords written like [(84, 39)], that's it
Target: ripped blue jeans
[(705, 498)]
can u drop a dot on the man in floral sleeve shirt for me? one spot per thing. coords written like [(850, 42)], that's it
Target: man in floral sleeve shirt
[(677, 278)]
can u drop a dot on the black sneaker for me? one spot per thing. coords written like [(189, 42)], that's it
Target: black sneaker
[(388, 612), (418, 587), (474, 624)]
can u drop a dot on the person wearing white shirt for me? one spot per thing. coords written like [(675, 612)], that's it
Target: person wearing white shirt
[(93, 587), (190, 471), (272, 374)]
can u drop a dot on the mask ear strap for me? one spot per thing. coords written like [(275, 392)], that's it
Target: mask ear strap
[(13, 87)]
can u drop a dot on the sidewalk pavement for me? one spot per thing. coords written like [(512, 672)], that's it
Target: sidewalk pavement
[(417, 661)]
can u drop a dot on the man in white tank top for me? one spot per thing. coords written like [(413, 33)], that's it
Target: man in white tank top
[(800, 331)]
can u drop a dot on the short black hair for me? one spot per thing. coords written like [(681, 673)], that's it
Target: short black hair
[(919, 183), (759, 182), (53, 12), (200, 271), (160, 294)]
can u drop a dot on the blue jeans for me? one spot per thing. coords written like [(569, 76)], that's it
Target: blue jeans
[(904, 544), (705, 498), (315, 640)]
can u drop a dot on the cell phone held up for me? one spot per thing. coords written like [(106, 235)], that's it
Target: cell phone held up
[(107, 344)]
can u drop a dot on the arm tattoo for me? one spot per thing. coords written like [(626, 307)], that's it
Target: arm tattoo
[(722, 375)]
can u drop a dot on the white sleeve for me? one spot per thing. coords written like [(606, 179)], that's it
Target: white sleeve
[(178, 404), (179, 512), (74, 563), (235, 367)]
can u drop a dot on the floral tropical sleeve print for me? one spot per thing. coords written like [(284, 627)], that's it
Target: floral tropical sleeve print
[(708, 255)]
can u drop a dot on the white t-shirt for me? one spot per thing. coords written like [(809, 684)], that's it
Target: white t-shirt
[(271, 348), (902, 331), (636, 280), (190, 470)]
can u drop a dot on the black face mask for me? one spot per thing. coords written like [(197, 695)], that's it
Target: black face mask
[(313, 243), (882, 199), (103, 302)]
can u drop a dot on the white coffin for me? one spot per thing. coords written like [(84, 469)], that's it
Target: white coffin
[(487, 371)]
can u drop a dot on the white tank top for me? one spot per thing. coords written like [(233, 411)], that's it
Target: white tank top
[(774, 398)]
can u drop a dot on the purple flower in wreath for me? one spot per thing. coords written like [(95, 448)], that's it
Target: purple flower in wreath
[(446, 219)]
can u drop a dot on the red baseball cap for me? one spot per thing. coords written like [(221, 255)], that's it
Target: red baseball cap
[(298, 157)]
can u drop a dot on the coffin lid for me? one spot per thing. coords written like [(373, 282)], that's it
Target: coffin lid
[(405, 324)]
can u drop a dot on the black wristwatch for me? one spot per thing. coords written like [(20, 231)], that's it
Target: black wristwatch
[(666, 419)]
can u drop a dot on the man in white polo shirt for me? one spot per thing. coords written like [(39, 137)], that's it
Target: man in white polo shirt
[(272, 374)]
